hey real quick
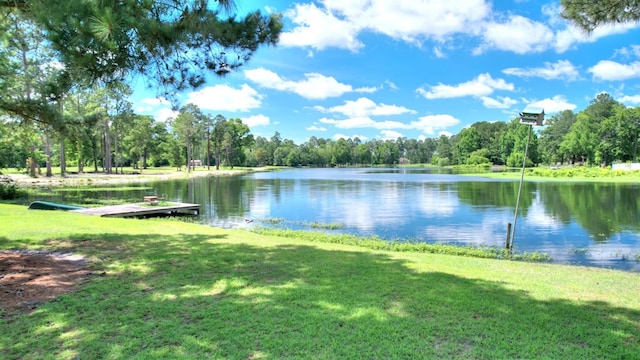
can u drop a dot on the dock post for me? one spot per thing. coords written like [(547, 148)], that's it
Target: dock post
[(507, 246)]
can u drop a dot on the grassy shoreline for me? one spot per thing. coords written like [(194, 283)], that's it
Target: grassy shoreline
[(130, 176), (572, 174), (575, 174), (182, 290)]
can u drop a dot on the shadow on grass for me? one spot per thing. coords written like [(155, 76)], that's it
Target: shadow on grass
[(193, 296)]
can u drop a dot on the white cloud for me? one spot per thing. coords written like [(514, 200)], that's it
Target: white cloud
[(430, 123), (614, 71), (552, 105), (630, 99), (482, 85), (338, 23), (267, 78), (632, 51), (316, 128), (151, 105), (405, 20), (552, 12), (256, 120), (364, 107), (320, 29), (499, 103), (438, 52), (315, 86), (561, 70), (370, 89), (318, 86), (426, 124), (519, 35), (164, 114), (392, 85), (568, 37), (390, 135), (226, 98), (364, 122)]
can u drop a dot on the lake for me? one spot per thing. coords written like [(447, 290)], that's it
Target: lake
[(592, 224)]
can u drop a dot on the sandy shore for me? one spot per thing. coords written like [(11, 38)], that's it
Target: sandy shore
[(101, 178)]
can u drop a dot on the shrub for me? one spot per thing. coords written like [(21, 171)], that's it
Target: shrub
[(515, 160), (444, 162), (9, 190), (475, 159)]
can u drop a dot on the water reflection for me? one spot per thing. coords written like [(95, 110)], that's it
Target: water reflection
[(585, 223)]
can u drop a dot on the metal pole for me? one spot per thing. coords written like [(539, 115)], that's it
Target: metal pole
[(515, 215)]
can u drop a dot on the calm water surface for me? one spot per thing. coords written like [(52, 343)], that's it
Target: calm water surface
[(575, 223)]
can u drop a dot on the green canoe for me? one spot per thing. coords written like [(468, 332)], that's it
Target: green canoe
[(45, 205)]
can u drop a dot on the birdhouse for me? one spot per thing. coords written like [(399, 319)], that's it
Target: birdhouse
[(532, 115)]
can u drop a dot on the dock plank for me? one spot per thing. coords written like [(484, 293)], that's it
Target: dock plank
[(140, 209)]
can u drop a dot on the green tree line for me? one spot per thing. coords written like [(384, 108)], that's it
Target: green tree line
[(102, 133)]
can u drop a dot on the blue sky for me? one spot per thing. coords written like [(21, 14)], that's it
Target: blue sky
[(383, 69)]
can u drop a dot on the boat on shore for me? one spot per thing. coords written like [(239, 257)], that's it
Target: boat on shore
[(46, 205)]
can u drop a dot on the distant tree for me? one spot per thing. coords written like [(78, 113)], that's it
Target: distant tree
[(556, 128), (444, 150), (427, 148), (468, 141), (490, 133), (281, 154), (236, 136), (259, 151), (513, 144), (293, 158), (592, 136), (273, 144), (341, 152), (579, 143), (361, 154), (186, 126), (208, 123), (78, 124), (627, 129), (140, 138), (217, 137)]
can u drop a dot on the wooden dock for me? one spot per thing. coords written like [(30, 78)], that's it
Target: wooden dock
[(142, 210)]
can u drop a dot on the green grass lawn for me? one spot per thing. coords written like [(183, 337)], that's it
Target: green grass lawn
[(178, 290), (575, 174)]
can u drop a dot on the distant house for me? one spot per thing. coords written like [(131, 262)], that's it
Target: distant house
[(196, 162)]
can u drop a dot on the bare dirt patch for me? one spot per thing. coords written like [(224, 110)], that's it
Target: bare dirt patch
[(29, 278)]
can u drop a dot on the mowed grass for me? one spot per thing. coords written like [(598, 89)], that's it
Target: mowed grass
[(571, 174), (186, 291)]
